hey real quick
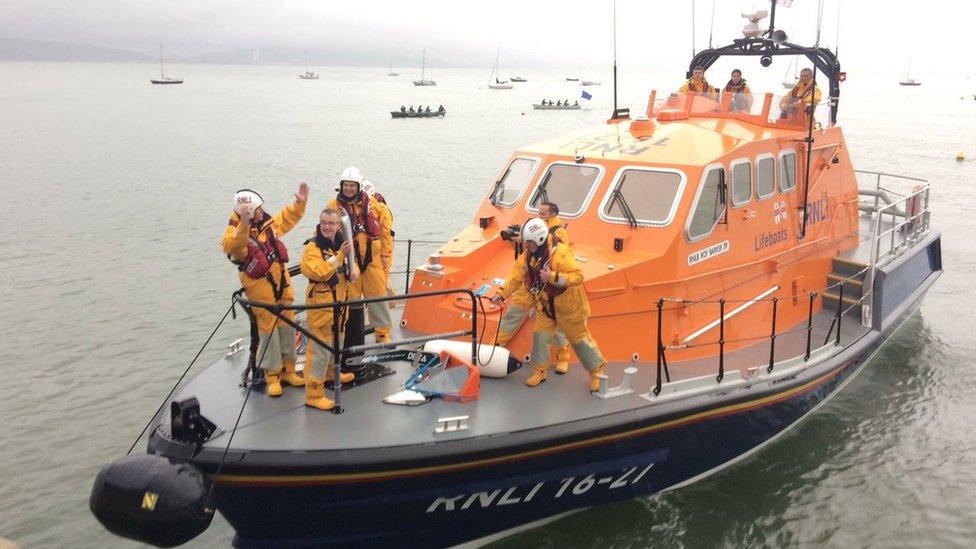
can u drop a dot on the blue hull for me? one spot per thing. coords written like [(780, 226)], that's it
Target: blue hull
[(447, 509)]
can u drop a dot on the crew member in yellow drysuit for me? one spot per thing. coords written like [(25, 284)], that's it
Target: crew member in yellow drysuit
[(386, 225), (370, 244), (555, 283), (805, 94), (522, 302), (324, 264), (251, 241), (741, 94), (697, 83)]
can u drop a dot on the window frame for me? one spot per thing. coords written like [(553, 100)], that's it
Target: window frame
[(643, 222), (780, 166), (752, 179), (694, 205), (528, 182), (764, 156), (601, 170)]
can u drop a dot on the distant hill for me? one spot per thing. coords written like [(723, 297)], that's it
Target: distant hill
[(35, 50)]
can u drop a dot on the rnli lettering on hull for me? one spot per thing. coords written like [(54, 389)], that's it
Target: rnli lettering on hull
[(708, 253), (817, 211), (567, 487)]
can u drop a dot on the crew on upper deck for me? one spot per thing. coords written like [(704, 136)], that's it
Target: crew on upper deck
[(697, 83), (251, 242), (385, 215), (804, 93), (741, 94), (554, 280)]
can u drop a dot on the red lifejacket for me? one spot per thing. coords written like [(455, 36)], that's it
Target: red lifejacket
[(367, 222), (537, 284), (260, 255)]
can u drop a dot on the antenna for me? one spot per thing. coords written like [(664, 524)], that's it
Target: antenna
[(837, 37), (692, 28), (711, 26), (615, 58)]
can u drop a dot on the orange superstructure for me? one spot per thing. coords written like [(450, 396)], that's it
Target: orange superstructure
[(697, 202)]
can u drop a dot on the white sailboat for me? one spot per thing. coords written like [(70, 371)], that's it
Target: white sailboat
[(493, 82), (909, 81), (424, 81), (308, 74), (163, 79), (391, 73)]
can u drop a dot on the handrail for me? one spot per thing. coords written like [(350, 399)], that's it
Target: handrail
[(339, 354)]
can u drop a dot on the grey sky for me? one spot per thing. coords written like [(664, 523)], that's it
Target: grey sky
[(651, 33)]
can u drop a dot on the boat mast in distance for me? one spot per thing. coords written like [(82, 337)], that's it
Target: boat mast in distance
[(163, 79), (497, 84), (909, 81), (423, 75), (308, 74), (391, 73)]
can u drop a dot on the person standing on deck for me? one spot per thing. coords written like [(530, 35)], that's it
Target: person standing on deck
[(251, 242), (554, 280), (386, 225), (324, 265), (369, 243)]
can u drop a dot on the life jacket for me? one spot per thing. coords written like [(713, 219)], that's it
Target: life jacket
[(552, 233), (261, 255), (365, 223), (804, 94), (694, 88), (731, 87), (536, 284), (325, 246)]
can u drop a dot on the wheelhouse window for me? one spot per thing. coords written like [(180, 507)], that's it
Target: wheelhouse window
[(644, 197), (509, 188), (765, 177), (741, 182), (787, 176), (709, 204), (566, 185)]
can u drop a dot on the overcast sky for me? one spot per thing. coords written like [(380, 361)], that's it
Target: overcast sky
[(875, 35)]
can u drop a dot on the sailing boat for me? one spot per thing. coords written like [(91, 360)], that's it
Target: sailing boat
[(787, 83), (163, 79), (308, 74), (497, 84), (909, 81), (423, 80), (391, 73)]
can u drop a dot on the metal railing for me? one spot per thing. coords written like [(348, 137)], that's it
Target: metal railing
[(908, 217), (833, 328), (340, 354)]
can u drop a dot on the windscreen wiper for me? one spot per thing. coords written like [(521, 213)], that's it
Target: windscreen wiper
[(618, 199), (540, 193), (498, 184)]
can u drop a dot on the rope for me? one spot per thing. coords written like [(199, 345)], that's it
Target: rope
[(240, 414), (171, 391)]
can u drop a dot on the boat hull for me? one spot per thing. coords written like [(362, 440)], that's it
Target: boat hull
[(167, 81), (465, 501), (398, 114)]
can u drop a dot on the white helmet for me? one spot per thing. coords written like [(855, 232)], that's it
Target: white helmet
[(535, 230), (367, 187), (353, 174), (246, 200)]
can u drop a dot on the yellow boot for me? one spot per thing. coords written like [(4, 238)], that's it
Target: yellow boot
[(562, 359), (538, 377), (346, 377), (315, 395), (289, 376), (595, 374), (272, 380)]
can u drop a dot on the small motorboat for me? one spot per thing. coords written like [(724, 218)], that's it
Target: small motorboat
[(518, 79), (572, 79), (589, 83)]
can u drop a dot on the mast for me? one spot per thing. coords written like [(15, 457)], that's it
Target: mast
[(614, 57), (494, 69), (161, 74), (423, 61)]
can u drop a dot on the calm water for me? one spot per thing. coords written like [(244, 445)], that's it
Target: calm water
[(115, 192)]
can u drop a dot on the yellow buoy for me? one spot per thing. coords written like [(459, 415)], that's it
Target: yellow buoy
[(960, 156)]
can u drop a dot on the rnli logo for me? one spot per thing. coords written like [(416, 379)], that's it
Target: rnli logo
[(780, 211), (244, 199), (149, 500), (817, 211)]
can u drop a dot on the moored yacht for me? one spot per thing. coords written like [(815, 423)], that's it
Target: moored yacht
[(737, 276)]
